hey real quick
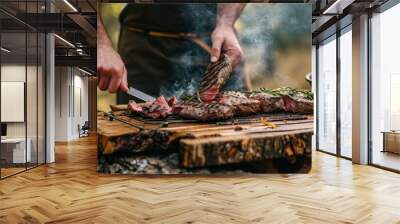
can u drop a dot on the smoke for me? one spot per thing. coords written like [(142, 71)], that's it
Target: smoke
[(192, 60), (180, 88), (263, 30), (188, 70), (268, 29)]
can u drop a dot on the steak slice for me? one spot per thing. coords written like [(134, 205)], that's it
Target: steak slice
[(296, 100), (240, 103), (298, 105), (156, 109), (268, 102), (203, 111), (172, 101), (135, 108), (284, 99), (215, 76)]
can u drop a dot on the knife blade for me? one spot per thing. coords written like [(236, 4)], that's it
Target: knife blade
[(140, 95)]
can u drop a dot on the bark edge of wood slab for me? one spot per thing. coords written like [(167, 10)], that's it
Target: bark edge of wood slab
[(201, 145), (139, 142), (211, 153)]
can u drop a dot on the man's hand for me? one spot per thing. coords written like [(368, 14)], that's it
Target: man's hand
[(223, 38), (111, 71)]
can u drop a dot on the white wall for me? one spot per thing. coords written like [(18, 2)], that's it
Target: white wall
[(16, 73), (33, 127), (71, 102)]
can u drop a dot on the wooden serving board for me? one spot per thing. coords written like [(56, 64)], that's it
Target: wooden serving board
[(206, 144)]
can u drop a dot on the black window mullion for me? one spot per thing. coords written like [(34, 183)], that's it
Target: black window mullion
[(338, 76), (369, 78), (26, 87), (37, 90), (317, 96)]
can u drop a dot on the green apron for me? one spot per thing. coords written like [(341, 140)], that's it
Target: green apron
[(162, 65)]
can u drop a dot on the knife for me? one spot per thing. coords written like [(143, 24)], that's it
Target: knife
[(140, 95)]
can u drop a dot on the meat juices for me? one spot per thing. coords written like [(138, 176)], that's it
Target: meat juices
[(215, 76)]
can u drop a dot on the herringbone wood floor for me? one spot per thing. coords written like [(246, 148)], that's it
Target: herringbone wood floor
[(70, 191)]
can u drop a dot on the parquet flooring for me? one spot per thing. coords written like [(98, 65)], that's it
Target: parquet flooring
[(71, 191)]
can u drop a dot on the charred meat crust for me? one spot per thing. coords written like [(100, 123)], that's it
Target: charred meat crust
[(203, 111), (226, 105), (158, 108), (215, 76), (240, 103)]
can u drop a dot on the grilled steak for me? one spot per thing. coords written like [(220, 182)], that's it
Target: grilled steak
[(295, 100), (240, 103), (268, 102), (158, 108), (284, 99), (172, 101), (203, 111), (228, 104), (298, 105), (133, 107), (215, 76)]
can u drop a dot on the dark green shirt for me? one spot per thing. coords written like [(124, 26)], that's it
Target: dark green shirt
[(197, 18)]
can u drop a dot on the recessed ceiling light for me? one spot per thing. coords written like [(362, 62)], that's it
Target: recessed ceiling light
[(64, 40), (70, 5), (5, 50), (338, 6), (84, 71)]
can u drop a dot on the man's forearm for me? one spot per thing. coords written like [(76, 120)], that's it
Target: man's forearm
[(228, 13), (102, 36)]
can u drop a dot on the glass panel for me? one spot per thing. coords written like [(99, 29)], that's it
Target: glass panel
[(32, 88), (41, 99), (31, 98), (327, 96), (23, 84), (346, 93), (13, 85), (386, 89)]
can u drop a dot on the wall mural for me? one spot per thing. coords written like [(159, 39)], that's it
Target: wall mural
[(204, 88)]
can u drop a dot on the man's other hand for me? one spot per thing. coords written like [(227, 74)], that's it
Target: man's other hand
[(224, 40), (111, 71)]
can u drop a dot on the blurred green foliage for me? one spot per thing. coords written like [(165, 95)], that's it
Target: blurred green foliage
[(110, 16)]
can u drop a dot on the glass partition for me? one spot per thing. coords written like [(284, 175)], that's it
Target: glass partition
[(385, 89), (346, 92), (31, 97), (15, 151), (326, 111), (41, 96), (22, 89)]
